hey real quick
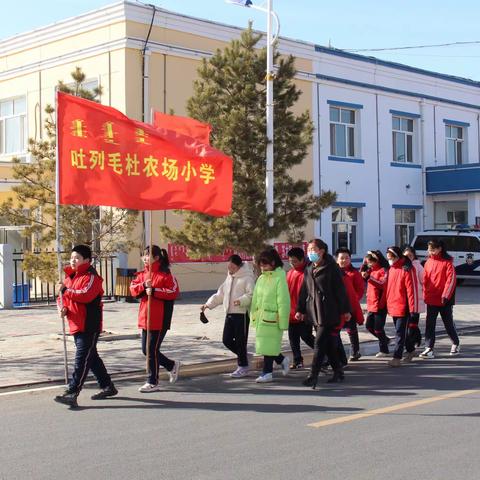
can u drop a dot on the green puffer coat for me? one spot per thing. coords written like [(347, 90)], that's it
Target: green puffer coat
[(270, 311)]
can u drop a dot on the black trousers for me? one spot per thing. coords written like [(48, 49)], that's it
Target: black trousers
[(352, 331), (413, 332), (155, 357), (375, 324), (268, 362), (401, 338), (446, 312), (86, 359), (326, 343), (235, 336), (297, 331)]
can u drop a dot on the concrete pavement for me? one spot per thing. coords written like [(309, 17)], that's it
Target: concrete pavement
[(31, 347)]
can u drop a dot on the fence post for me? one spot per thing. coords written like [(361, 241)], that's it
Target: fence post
[(6, 276)]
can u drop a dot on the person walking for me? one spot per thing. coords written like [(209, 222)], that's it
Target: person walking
[(324, 300), (235, 294), (402, 301), (439, 283), (413, 329), (157, 285), (375, 272), (343, 257), (82, 293), (297, 328), (270, 311)]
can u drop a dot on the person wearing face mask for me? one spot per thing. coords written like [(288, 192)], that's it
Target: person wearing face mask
[(269, 313), (375, 272), (235, 294), (402, 301), (297, 328), (324, 300), (439, 283), (355, 287), (155, 285), (413, 331)]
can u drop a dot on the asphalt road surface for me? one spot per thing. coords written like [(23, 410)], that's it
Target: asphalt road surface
[(418, 421)]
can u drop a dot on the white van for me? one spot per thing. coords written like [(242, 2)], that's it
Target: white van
[(462, 245)]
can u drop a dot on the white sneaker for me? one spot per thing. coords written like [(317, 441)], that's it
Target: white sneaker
[(149, 387), (285, 365), (240, 372), (173, 374), (455, 350), (382, 355), (427, 353), (265, 378)]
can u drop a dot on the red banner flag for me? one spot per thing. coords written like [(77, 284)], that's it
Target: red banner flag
[(106, 158), (184, 126)]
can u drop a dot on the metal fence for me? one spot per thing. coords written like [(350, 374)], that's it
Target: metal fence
[(28, 291)]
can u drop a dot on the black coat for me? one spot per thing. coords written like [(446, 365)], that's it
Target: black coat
[(323, 297)]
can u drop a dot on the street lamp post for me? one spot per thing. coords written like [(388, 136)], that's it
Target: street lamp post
[(270, 75)]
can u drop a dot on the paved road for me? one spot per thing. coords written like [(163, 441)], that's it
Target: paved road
[(418, 421)]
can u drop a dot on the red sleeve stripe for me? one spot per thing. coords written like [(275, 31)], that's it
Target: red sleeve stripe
[(85, 289)]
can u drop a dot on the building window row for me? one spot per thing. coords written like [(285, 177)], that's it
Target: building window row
[(344, 131), (13, 126)]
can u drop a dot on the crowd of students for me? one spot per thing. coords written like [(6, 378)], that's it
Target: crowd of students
[(318, 297)]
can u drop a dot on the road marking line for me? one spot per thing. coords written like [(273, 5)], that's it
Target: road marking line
[(393, 408)]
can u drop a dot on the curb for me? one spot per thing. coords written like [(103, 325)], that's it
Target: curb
[(367, 347)]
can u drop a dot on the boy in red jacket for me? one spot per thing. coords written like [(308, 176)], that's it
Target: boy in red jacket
[(297, 328), (82, 293), (157, 285)]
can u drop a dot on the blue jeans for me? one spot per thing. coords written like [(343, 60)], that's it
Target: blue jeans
[(86, 359)]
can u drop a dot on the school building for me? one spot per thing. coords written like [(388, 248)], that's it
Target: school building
[(399, 145)]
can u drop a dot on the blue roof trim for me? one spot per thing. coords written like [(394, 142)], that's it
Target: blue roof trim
[(381, 88), (405, 114), (400, 66), (455, 123), (345, 159), (335, 103), (411, 207), (349, 204), (405, 165), (453, 167), (446, 192)]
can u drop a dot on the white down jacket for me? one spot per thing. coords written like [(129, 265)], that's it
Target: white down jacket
[(238, 286)]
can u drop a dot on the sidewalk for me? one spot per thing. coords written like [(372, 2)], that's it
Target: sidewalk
[(31, 347)]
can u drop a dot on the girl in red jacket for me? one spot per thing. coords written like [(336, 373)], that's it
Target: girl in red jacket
[(402, 301), (159, 286), (344, 260), (439, 282), (375, 271)]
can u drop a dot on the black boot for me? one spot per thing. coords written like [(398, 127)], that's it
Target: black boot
[(311, 380), (109, 391), (338, 376), (68, 398)]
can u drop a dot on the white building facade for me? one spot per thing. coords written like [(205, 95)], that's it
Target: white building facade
[(399, 145)]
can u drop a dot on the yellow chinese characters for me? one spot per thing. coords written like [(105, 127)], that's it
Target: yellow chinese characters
[(97, 159), (151, 164), (109, 133), (207, 173), (170, 169), (132, 165), (79, 128), (77, 158), (188, 170)]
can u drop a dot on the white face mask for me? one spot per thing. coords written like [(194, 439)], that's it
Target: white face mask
[(391, 262)]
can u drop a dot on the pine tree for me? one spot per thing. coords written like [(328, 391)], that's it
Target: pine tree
[(34, 203), (230, 95)]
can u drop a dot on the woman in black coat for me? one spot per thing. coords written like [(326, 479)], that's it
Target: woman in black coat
[(323, 301)]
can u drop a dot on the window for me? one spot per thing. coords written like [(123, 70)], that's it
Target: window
[(405, 221), (454, 137), (345, 228), (402, 135), (342, 132), (13, 126)]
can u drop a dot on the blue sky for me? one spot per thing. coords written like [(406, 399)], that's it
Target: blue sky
[(349, 24)]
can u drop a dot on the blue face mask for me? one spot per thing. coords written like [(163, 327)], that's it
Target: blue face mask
[(313, 257)]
